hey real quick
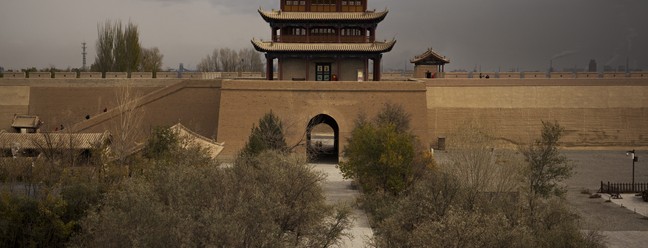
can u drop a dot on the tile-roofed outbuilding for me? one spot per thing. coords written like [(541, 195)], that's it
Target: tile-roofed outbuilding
[(25, 121), (374, 47), (53, 140), (277, 15)]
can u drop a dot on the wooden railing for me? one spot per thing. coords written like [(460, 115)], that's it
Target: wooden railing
[(321, 39), (617, 188)]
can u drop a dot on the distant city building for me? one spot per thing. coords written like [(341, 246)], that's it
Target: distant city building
[(317, 40), (608, 68), (621, 68), (592, 66)]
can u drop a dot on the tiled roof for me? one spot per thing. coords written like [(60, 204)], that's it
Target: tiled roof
[(267, 46), (213, 148), (25, 121), (53, 140), (277, 15), (430, 54)]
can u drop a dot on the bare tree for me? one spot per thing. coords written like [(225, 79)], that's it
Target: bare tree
[(229, 59), (209, 63), (250, 60), (151, 60), (127, 126), (479, 166)]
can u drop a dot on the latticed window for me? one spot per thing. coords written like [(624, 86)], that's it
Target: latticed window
[(294, 5), (323, 5), (351, 32), (323, 31), (352, 6), (297, 31)]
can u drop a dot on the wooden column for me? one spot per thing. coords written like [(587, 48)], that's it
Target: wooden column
[(376, 69), (308, 68), (338, 70), (274, 34), (269, 68)]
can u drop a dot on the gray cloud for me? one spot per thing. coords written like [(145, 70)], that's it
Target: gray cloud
[(491, 34)]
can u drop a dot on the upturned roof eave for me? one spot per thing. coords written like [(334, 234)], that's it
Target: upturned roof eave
[(269, 16), (334, 47)]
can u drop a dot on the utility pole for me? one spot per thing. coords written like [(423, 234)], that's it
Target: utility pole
[(84, 53)]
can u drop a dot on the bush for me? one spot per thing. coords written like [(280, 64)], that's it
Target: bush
[(381, 156), (270, 200)]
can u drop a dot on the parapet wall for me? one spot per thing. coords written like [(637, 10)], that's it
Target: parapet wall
[(138, 75)]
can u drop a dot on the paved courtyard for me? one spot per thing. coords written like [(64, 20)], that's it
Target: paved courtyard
[(338, 190), (615, 219)]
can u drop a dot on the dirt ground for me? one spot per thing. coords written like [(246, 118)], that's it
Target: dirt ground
[(623, 227)]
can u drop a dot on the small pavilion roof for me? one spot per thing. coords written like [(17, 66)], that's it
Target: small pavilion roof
[(373, 47), (278, 15), (25, 121), (430, 55)]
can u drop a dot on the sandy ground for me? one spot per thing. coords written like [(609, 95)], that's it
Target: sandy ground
[(338, 190), (616, 219)]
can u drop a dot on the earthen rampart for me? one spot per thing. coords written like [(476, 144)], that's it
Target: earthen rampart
[(599, 112)]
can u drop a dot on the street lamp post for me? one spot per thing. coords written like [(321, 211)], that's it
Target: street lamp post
[(634, 158)]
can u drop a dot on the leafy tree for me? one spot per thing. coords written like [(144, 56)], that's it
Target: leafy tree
[(29, 222), (163, 141), (382, 156), (442, 210), (269, 135), (547, 167), (118, 47)]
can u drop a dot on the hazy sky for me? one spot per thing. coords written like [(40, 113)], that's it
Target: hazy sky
[(493, 34)]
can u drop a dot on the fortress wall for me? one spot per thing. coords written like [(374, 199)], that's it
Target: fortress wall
[(90, 75), (534, 75), (166, 74), (116, 74), (456, 75), (194, 103), (66, 101), (13, 100), (511, 75), (587, 75), (614, 75), (244, 102), (594, 112), (11, 75), (61, 74), (639, 75), (141, 74), (562, 75), (40, 75)]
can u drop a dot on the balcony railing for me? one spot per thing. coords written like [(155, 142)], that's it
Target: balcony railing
[(321, 39)]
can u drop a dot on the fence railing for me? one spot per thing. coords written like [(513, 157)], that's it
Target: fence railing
[(617, 188)]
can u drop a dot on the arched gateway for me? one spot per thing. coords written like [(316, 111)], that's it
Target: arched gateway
[(323, 139)]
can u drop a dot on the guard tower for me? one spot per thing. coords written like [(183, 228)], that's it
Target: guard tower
[(429, 64), (323, 40)]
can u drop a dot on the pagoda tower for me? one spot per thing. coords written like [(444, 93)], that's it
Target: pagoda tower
[(323, 40)]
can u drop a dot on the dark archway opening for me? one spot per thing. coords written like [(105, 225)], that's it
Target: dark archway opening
[(323, 140)]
